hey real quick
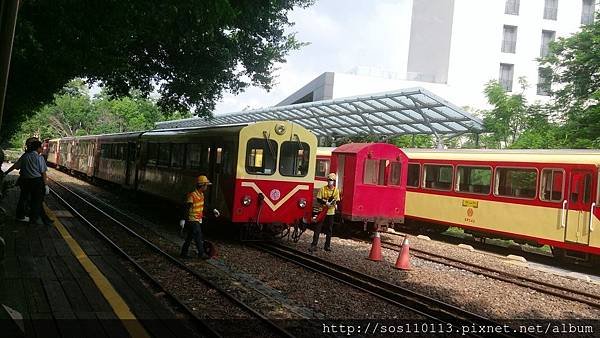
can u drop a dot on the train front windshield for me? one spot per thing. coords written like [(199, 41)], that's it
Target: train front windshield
[(295, 157)]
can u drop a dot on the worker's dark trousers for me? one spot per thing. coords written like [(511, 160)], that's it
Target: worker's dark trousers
[(34, 187), (24, 199), (193, 231), (326, 227)]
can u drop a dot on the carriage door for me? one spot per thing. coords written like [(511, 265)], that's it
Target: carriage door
[(130, 171), (579, 204)]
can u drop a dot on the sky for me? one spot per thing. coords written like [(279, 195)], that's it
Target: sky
[(343, 35)]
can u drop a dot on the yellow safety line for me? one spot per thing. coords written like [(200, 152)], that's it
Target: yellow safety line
[(119, 306)]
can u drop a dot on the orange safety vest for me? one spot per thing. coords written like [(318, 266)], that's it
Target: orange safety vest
[(196, 198)]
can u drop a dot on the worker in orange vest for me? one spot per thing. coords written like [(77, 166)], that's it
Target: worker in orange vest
[(194, 212)]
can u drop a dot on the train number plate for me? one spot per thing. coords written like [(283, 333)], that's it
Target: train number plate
[(470, 203)]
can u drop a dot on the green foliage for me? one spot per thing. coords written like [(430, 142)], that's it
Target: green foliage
[(416, 141), (192, 50), (513, 123), (74, 113), (575, 65)]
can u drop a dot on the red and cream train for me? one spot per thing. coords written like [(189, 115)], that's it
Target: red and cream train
[(530, 196), (263, 174)]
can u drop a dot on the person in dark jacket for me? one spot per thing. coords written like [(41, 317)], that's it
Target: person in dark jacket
[(32, 167)]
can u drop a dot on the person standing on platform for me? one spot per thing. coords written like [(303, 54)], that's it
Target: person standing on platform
[(194, 212), (23, 205), (328, 196), (33, 179)]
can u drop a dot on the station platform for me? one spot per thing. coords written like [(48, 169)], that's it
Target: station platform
[(62, 281)]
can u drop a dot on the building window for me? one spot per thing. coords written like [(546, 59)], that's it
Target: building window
[(587, 12), (509, 41), (551, 9), (506, 76), (547, 37), (544, 81), (511, 7)]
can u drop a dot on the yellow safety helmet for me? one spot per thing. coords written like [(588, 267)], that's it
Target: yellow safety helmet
[(202, 179), (332, 177)]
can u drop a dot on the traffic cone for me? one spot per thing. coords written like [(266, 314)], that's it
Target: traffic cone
[(375, 254), (403, 261)]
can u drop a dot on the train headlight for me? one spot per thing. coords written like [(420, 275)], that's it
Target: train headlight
[(246, 200), (302, 203), (280, 129)]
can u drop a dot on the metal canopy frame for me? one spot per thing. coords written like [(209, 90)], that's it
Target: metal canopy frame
[(409, 111)]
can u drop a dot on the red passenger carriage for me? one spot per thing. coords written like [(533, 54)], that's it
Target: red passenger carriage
[(372, 182)]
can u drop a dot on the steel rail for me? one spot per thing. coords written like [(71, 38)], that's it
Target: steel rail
[(502, 276), (421, 304), (201, 323), (281, 331)]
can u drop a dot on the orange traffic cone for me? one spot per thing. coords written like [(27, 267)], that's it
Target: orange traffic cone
[(403, 261), (375, 254)]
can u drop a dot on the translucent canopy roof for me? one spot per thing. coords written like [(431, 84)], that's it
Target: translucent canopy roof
[(408, 111)]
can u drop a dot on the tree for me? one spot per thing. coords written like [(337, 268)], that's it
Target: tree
[(507, 119), (74, 113), (575, 65), (513, 123), (191, 50)]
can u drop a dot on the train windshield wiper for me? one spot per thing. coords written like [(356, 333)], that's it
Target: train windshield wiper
[(269, 145)]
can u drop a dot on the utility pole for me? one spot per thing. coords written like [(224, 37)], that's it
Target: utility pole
[(8, 22)]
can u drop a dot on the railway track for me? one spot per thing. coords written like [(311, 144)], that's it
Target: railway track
[(429, 308), (533, 284), (142, 252)]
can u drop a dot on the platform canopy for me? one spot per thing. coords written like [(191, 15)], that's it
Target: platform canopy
[(408, 111)]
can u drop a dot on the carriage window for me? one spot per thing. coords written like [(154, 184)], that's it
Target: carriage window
[(227, 158), (294, 158), (152, 153), (131, 152), (587, 188), (414, 173), (164, 154), (219, 155), (476, 180), (106, 150), (194, 156), (177, 154), (395, 173), (322, 168), (383, 164), (552, 185), (371, 172), (120, 155), (437, 176), (261, 156), (516, 182)]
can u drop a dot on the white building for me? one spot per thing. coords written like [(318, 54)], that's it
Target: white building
[(456, 46)]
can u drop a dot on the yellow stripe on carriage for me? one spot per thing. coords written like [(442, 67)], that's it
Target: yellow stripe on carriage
[(274, 207)]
